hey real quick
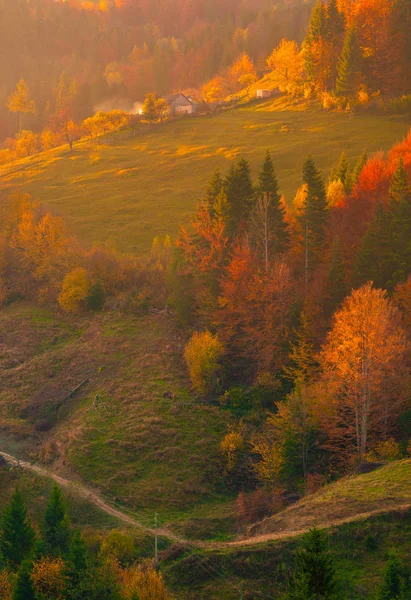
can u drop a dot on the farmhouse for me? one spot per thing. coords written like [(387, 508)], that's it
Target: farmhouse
[(264, 93), (179, 104)]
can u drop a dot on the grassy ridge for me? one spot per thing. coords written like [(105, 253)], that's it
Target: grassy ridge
[(135, 188)]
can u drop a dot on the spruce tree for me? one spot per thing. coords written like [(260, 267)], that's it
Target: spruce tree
[(239, 189), (17, 536), (393, 585), (213, 190), (400, 189), (371, 262), (56, 524), (23, 589), (303, 364), (335, 288), (314, 577), (277, 226), (313, 215), (342, 172), (317, 30), (359, 165), (349, 66), (222, 210)]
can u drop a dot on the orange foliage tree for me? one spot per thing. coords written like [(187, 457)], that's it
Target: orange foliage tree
[(361, 361)]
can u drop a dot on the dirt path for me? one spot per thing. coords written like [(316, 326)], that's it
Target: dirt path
[(85, 493)]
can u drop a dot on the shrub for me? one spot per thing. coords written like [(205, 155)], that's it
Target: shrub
[(95, 298), (75, 290), (203, 354), (386, 451)]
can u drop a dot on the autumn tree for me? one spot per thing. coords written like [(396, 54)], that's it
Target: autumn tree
[(203, 354), (19, 102), (145, 583), (75, 290), (47, 576), (364, 350), (286, 64)]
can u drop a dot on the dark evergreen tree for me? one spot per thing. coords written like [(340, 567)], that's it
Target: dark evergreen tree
[(313, 215), (279, 235), (95, 298), (214, 189), (400, 189), (23, 589), (239, 190), (222, 210), (17, 536), (335, 27), (392, 587), (56, 524), (77, 567), (359, 165), (317, 30), (371, 264), (336, 287), (343, 172), (314, 577), (349, 66)]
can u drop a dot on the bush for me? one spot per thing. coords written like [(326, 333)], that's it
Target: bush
[(75, 290), (203, 354), (386, 451), (95, 298)]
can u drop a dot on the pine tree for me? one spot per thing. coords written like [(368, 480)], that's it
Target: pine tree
[(335, 288), (313, 215), (213, 190), (77, 565), (371, 263), (24, 586), (393, 584), (317, 30), (303, 362), (278, 233), (360, 164), (349, 66), (56, 523), (400, 189), (314, 577), (222, 210), (239, 189), (335, 21), (342, 172), (17, 536)]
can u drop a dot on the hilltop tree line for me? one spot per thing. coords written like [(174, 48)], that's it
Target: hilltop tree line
[(117, 52), (52, 561)]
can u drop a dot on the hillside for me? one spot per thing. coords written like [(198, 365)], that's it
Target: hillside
[(132, 189), (132, 430)]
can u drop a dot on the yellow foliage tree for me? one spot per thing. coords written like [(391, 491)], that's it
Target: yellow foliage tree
[(286, 64), (48, 578), (26, 144), (19, 101), (118, 544), (231, 446), (203, 354), (145, 583), (5, 586), (75, 289)]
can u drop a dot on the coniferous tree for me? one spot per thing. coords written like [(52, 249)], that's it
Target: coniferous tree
[(371, 264), (342, 172), (24, 589), (95, 298), (56, 523), (303, 362), (239, 190), (335, 26), (400, 189), (335, 288), (213, 190), (222, 210), (360, 164), (314, 577), (313, 215), (17, 536), (392, 587), (349, 66), (268, 216), (317, 30)]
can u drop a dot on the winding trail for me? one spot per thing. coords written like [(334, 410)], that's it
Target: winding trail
[(85, 493)]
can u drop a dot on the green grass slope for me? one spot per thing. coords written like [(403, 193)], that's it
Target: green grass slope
[(134, 188), (119, 433), (382, 490)]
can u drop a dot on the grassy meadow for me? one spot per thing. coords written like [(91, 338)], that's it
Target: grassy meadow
[(132, 188)]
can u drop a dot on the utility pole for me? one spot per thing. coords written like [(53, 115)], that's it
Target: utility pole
[(155, 537)]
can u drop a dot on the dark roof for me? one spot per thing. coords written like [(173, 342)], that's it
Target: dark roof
[(170, 99)]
